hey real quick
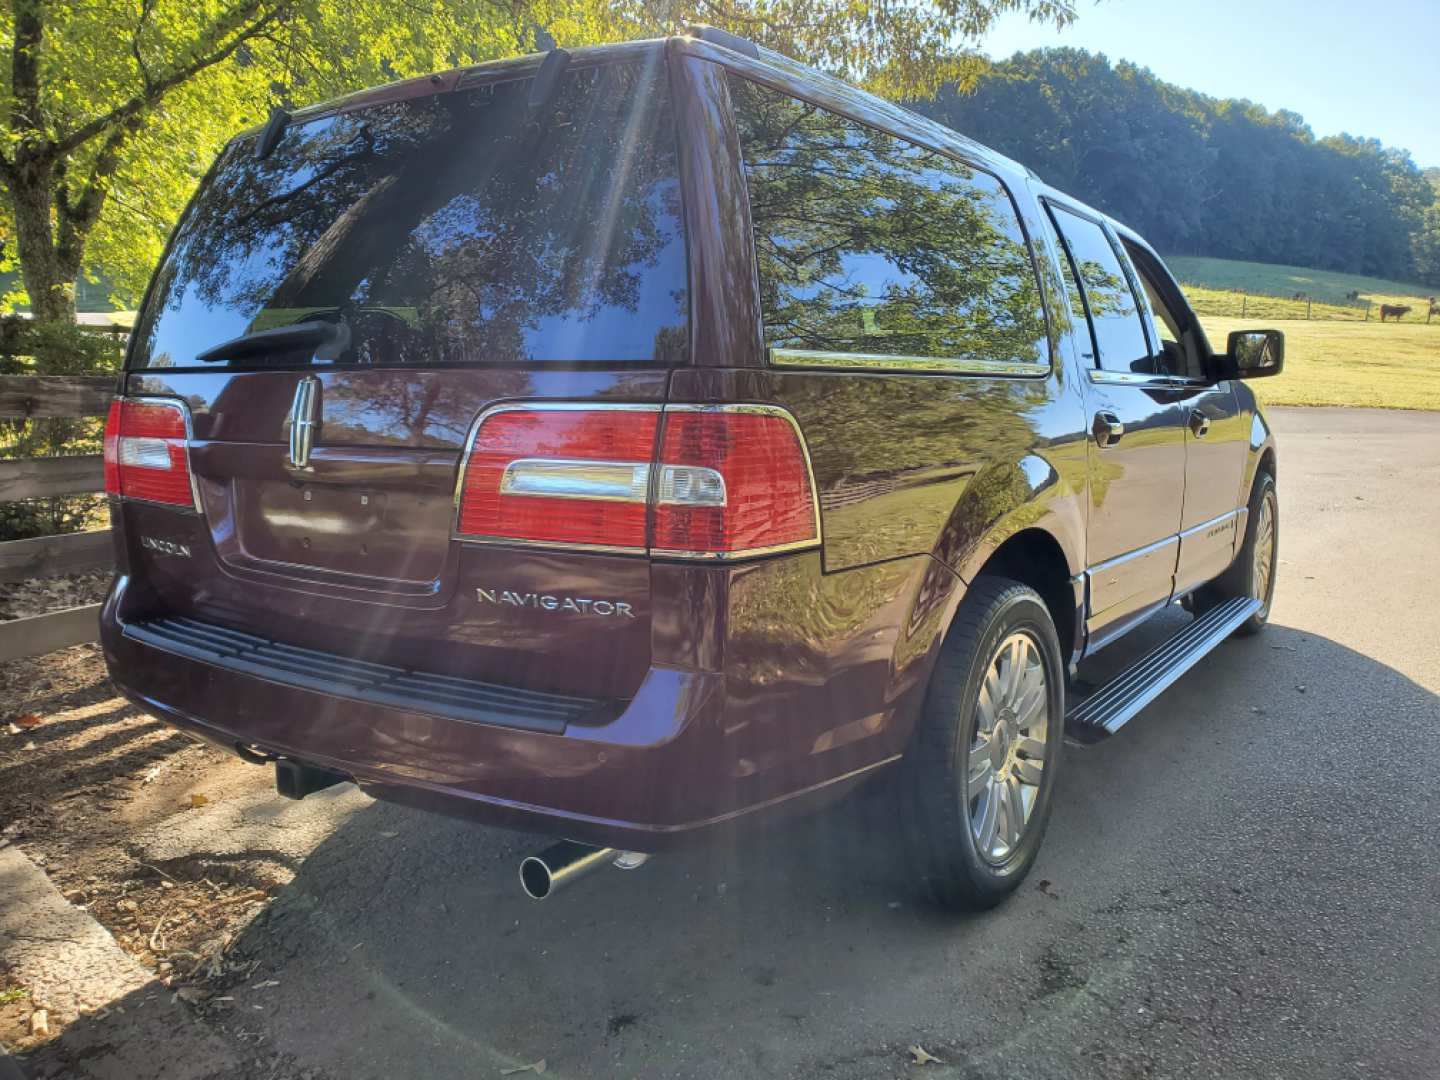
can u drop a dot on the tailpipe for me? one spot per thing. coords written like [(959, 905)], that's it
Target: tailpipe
[(568, 861)]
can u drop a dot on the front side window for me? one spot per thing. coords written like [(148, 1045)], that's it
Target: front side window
[(455, 227), (1119, 334), (868, 244)]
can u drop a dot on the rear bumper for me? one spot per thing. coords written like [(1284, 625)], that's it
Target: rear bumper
[(656, 774)]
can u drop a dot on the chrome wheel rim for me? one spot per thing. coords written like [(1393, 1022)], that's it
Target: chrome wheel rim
[(1263, 566), (1007, 754)]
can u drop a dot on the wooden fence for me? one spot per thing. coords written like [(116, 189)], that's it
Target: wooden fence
[(28, 396)]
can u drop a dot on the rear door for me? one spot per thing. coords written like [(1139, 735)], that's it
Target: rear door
[(337, 314), (1136, 452)]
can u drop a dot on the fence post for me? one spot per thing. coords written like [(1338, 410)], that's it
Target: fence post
[(1307, 309), (1367, 310), (1242, 305)]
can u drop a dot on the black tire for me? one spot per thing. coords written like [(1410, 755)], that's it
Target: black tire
[(1240, 578), (939, 812)]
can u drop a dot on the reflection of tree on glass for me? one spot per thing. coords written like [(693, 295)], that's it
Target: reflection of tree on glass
[(1119, 334), (869, 244), (451, 227), (1108, 292)]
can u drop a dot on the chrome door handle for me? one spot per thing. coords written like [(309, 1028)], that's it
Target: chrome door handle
[(1199, 424), (1107, 429)]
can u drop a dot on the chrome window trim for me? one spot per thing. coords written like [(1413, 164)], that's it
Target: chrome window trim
[(751, 553), (853, 361), (1138, 378), (184, 407)]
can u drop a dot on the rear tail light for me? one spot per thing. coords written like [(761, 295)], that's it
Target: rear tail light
[(147, 453), (732, 481), (711, 482), (569, 476)]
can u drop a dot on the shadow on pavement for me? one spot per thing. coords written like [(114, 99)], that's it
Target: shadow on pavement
[(1158, 932)]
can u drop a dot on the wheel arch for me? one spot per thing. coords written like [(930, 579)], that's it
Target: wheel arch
[(1034, 557)]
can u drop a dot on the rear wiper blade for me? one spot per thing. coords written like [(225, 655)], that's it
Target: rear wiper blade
[(295, 336)]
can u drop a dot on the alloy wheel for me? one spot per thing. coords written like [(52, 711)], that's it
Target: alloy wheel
[(1007, 755), (1263, 559)]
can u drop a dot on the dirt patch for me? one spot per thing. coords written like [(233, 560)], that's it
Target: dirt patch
[(81, 773)]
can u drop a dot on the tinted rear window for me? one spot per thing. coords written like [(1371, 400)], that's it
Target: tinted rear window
[(869, 244), (444, 229)]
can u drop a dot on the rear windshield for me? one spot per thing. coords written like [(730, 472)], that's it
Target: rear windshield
[(453, 228)]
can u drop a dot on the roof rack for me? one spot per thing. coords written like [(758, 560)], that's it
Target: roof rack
[(726, 40)]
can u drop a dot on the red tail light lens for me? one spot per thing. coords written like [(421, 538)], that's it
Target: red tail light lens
[(147, 452), (572, 476), (112, 449), (768, 499), (726, 481)]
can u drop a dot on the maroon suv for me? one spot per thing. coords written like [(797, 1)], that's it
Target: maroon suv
[(626, 443)]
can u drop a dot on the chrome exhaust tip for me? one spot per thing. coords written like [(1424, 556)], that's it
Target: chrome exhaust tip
[(568, 861)]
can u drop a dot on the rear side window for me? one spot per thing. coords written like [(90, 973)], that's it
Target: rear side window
[(868, 244), (442, 229), (1119, 334)]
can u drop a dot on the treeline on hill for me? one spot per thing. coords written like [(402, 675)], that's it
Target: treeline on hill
[(1201, 176)]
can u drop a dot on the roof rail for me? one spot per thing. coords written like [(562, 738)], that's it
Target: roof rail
[(726, 40)]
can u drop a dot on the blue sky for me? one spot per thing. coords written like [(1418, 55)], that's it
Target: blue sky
[(1366, 69)]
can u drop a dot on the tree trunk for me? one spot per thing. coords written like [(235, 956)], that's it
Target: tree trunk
[(50, 285)]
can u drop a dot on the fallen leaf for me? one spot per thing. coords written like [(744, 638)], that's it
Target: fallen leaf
[(390, 836), (29, 720), (920, 1056), (197, 799), (534, 1066), (192, 995), (12, 729), (150, 774), (40, 1024), (266, 984), (28, 746)]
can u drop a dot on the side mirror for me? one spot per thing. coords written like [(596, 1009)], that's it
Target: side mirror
[(1253, 354)]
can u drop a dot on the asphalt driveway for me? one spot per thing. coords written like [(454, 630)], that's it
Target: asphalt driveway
[(1244, 882)]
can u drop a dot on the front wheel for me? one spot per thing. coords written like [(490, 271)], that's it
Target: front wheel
[(1253, 571), (982, 766)]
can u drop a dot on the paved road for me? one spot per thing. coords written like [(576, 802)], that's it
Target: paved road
[(1243, 883)]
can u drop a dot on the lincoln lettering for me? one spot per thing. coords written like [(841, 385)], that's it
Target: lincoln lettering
[(577, 605)]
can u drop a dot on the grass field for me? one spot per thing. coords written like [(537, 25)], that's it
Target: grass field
[(1347, 363), (1322, 286), (1335, 357)]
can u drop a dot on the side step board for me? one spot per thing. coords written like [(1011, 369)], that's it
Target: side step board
[(1106, 710)]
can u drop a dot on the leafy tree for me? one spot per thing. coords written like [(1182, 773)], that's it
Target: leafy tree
[(1196, 174), (1426, 240), (115, 107), (1427, 246)]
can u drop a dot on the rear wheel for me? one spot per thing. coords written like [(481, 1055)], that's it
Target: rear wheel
[(982, 767), (1253, 571)]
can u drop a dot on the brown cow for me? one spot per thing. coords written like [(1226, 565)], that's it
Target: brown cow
[(1386, 310)]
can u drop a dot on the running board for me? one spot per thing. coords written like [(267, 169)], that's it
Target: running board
[(1108, 709)]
